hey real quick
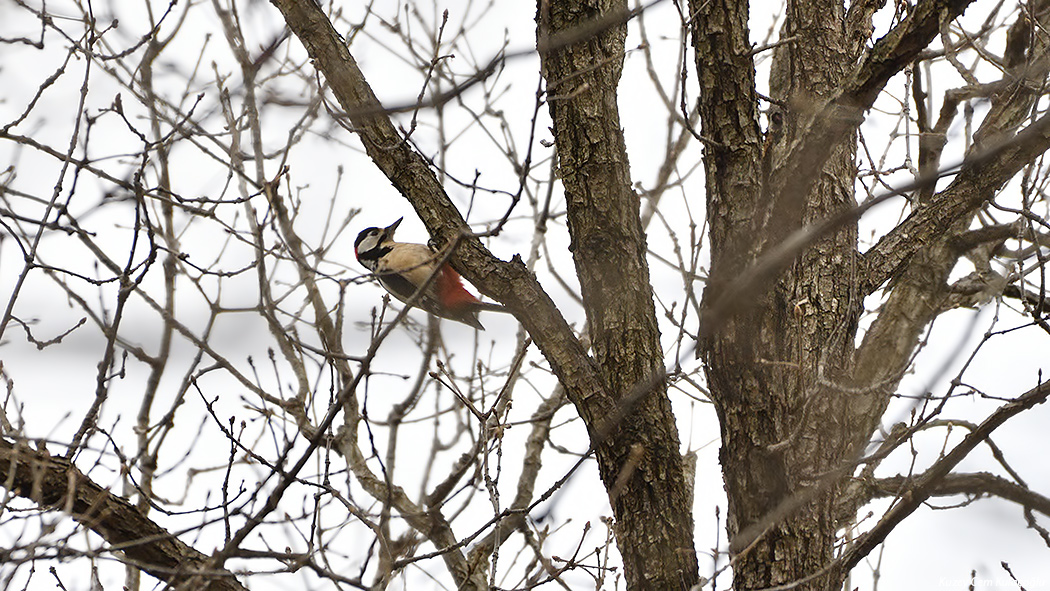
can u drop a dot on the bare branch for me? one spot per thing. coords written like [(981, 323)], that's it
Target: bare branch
[(921, 488), (51, 481)]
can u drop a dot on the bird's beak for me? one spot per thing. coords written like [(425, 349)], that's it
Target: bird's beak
[(389, 230)]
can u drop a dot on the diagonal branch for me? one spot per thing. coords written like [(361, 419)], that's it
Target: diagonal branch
[(975, 484), (919, 254), (974, 186), (509, 283), (921, 488), (52, 481)]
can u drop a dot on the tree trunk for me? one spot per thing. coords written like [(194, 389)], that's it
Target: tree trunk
[(786, 428), (582, 46), (796, 399)]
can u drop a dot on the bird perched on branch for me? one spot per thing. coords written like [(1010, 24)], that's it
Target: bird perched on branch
[(402, 268)]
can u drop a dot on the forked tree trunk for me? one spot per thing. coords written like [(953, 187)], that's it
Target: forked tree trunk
[(796, 398), (777, 369)]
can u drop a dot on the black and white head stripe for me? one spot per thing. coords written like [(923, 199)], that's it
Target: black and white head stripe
[(373, 243), (369, 244)]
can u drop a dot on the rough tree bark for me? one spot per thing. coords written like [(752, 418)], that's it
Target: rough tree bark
[(796, 399), (581, 46)]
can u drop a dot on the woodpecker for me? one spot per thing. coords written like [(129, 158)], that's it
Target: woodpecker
[(403, 267)]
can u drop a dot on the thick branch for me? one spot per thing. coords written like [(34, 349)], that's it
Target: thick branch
[(977, 183), (54, 482), (997, 156), (919, 254), (729, 115)]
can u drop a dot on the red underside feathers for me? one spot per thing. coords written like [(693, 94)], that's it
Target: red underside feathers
[(451, 291)]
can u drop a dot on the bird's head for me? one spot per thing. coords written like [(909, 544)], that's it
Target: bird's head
[(373, 243)]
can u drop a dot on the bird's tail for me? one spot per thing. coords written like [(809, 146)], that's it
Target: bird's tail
[(489, 307), (468, 313)]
